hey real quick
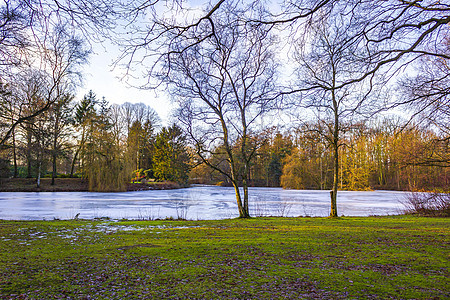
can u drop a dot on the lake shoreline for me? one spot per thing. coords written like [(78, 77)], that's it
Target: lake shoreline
[(74, 185), (82, 185)]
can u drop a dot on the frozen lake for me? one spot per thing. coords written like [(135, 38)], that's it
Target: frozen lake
[(197, 202)]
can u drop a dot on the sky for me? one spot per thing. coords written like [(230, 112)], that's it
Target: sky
[(105, 81)]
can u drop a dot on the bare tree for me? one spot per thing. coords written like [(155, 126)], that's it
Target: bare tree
[(393, 31), (427, 95), (26, 22), (428, 92), (131, 112), (13, 37), (223, 87), (222, 72), (329, 58), (29, 30), (136, 124), (60, 62), (387, 36), (395, 34), (25, 97)]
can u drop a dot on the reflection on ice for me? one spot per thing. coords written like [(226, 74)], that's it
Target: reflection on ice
[(198, 202)]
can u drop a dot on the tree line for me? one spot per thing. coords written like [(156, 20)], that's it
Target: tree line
[(111, 145), (382, 154), (103, 143), (328, 65)]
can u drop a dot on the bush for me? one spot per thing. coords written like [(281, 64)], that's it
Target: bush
[(63, 175), (427, 204), (138, 175), (148, 173)]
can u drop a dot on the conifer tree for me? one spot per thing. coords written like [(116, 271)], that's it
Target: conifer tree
[(171, 159)]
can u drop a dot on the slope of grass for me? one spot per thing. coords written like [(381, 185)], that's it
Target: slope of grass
[(262, 258)]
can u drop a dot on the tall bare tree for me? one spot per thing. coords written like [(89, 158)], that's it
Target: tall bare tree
[(60, 62), (224, 85), (329, 58), (220, 69), (28, 30)]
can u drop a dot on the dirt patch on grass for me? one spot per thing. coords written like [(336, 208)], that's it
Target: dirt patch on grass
[(138, 246)]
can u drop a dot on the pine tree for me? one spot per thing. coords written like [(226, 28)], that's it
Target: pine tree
[(171, 160)]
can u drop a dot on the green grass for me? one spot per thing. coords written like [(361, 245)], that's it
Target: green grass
[(401, 257)]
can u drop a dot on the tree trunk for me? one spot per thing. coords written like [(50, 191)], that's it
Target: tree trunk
[(29, 138), (54, 163), (38, 180), (321, 172), (243, 213), (14, 154), (54, 167), (241, 210), (54, 154), (72, 168), (341, 175), (333, 212), (245, 187)]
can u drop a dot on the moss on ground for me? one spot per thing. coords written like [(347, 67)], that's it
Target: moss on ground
[(401, 257)]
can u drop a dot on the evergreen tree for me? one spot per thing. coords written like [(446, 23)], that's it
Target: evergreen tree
[(171, 160), (83, 113), (60, 118)]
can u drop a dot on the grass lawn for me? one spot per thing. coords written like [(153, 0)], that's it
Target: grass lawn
[(401, 257)]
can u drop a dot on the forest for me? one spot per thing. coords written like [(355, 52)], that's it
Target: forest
[(113, 144), (109, 145), (380, 155), (340, 95)]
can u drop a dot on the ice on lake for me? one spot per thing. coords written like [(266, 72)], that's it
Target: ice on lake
[(197, 202)]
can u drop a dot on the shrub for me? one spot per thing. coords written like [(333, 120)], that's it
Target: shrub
[(138, 175), (427, 204), (148, 173), (63, 175)]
